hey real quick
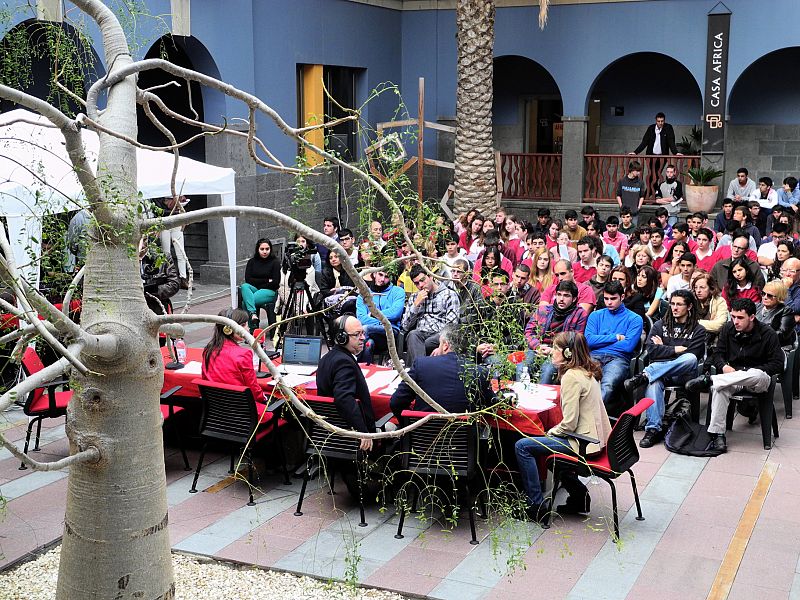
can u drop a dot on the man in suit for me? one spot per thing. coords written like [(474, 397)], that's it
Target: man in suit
[(659, 138), (446, 379), (340, 377)]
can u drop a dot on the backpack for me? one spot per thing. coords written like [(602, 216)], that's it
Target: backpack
[(689, 438)]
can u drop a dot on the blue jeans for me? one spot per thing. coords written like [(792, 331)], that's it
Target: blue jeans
[(669, 372), (375, 335), (615, 371), (547, 370), (527, 450)]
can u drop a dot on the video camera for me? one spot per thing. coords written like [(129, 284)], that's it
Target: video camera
[(297, 259)]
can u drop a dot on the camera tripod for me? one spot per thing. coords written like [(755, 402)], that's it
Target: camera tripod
[(299, 299)]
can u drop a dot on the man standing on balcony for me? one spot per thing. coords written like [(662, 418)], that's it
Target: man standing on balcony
[(658, 140), (630, 190)]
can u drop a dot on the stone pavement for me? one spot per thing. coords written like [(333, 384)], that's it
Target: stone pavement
[(724, 527)]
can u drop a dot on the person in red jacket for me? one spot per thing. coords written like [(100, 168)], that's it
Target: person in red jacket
[(225, 361), (741, 283)]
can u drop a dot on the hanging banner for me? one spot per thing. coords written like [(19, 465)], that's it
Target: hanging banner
[(715, 96)]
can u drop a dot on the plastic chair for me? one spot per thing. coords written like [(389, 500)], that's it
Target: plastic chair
[(231, 416), (788, 380), (766, 412), (326, 445), (441, 448), (43, 402), (617, 457), (168, 411)]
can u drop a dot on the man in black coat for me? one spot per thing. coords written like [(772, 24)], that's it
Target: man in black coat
[(446, 379), (659, 138), (747, 354), (340, 377)]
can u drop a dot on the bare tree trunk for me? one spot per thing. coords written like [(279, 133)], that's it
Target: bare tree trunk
[(116, 540), (474, 153)]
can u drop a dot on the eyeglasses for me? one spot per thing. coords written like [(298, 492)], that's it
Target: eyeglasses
[(787, 271), (357, 334), (456, 271), (767, 295), (743, 248)]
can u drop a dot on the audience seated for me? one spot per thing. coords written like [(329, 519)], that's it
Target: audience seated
[(389, 300), (675, 347), (712, 310), (427, 311), (747, 353), (469, 293), (563, 271), (738, 249), (562, 316), (613, 335), (773, 311), (262, 278), (335, 287)]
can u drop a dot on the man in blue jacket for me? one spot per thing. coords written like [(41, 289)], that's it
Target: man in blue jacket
[(613, 335), (390, 300)]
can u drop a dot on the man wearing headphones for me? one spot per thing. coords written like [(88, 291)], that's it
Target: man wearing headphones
[(340, 377)]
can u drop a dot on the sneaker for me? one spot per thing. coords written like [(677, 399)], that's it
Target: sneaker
[(699, 384), (718, 443), (637, 381), (651, 438)]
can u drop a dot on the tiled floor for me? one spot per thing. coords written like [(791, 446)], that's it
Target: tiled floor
[(692, 508)]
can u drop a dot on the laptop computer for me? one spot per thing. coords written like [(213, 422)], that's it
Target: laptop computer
[(301, 354)]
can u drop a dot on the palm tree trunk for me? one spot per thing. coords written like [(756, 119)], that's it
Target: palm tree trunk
[(474, 153)]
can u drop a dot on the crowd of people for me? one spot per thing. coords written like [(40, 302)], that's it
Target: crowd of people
[(586, 296)]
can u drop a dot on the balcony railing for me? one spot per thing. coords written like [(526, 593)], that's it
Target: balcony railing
[(538, 176), (603, 171), (529, 176)]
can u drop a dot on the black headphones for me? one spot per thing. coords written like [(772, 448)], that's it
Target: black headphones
[(340, 337)]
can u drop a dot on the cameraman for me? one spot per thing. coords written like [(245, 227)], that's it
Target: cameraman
[(299, 264), (160, 282)]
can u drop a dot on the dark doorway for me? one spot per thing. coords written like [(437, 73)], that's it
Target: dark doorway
[(186, 101)]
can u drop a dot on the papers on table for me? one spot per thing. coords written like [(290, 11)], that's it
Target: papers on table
[(293, 380), (538, 397), (379, 379), (193, 367)]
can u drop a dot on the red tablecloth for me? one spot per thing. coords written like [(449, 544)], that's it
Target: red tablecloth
[(526, 421), (9, 321)]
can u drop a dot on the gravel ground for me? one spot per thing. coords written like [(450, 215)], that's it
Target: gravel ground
[(36, 580)]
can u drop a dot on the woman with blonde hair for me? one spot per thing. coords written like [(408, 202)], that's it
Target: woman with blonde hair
[(638, 257), (772, 311), (542, 270), (712, 311), (584, 413)]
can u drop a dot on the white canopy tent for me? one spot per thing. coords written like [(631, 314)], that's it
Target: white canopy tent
[(37, 178)]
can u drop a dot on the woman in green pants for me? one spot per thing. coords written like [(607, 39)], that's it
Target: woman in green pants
[(262, 276)]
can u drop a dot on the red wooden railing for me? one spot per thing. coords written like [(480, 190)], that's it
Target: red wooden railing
[(529, 176), (603, 171)]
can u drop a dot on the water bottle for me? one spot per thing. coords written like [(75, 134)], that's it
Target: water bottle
[(180, 350), (525, 379)]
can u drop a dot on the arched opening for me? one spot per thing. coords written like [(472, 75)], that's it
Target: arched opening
[(763, 118), (629, 92), (527, 107), (29, 63), (187, 100)]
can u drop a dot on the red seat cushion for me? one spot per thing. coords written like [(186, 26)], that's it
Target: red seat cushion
[(42, 404), (266, 422), (165, 411), (596, 463)]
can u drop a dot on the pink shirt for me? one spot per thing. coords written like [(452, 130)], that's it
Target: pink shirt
[(620, 242), (234, 366)]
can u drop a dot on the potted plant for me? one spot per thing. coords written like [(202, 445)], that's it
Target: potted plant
[(700, 194)]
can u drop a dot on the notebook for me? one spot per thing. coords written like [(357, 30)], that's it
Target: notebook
[(301, 354)]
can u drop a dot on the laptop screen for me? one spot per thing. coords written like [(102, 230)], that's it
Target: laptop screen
[(298, 350)]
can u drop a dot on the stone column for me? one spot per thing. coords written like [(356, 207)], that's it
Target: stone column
[(572, 161)]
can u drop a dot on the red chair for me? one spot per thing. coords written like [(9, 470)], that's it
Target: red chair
[(232, 417), (168, 411), (617, 457), (43, 402)]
